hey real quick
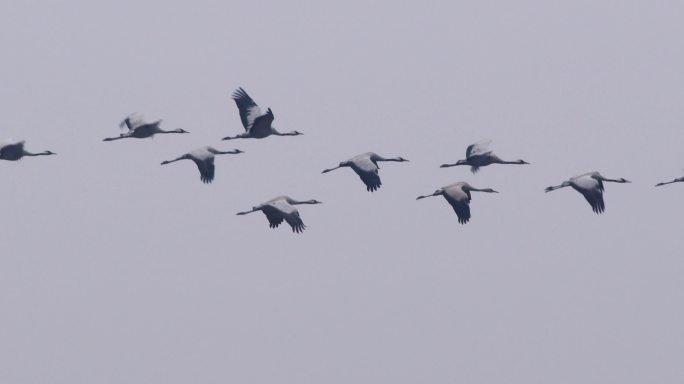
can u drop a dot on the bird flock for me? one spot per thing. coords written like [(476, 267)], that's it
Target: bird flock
[(258, 125)]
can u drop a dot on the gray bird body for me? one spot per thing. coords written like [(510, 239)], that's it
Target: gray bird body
[(15, 151), (281, 209), (479, 155), (204, 159), (257, 125), (458, 196), (590, 185), (366, 166)]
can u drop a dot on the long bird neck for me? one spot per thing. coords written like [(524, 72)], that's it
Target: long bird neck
[(613, 180), (296, 202), (275, 132), (399, 159), (44, 153), (500, 161)]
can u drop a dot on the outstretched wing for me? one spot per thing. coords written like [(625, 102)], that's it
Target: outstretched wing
[(206, 169), (595, 199), (274, 216), (590, 186), (368, 172), (132, 121), (249, 110), (462, 209), (290, 214), (478, 148), (261, 126)]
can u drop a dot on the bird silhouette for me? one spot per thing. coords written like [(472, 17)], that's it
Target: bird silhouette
[(282, 208), (204, 158), (366, 166), (257, 125)]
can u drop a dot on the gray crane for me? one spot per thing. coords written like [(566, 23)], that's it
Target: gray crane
[(478, 155), (138, 129), (366, 166), (15, 151), (590, 185), (458, 196), (204, 158), (282, 208), (257, 125)]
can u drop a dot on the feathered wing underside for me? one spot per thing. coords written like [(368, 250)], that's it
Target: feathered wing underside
[(261, 126), (368, 172), (478, 148), (206, 169), (283, 210), (295, 222), (273, 215), (462, 209), (595, 200), (249, 110), (591, 187)]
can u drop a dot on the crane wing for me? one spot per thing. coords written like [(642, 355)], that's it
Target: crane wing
[(478, 148), (132, 121), (206, 169), (273, 214), (261, 126), (368, 172), (462, 209), (290, 214), (595, 199), (249, 110)]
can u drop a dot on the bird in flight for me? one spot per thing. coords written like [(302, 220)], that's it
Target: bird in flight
[(204, 159), (366, 166), (15, 151), (282, 208), (139, 129), (479, 155), (257, 124), (590, 185), (458, 196)]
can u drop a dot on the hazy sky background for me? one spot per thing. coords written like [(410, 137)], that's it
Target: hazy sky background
[(114, 269)]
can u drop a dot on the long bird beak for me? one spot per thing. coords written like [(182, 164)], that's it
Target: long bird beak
[(422, 197), (446, 165), (228, 138)]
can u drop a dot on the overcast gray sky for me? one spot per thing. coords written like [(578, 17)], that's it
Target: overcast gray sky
[(114, 269)]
